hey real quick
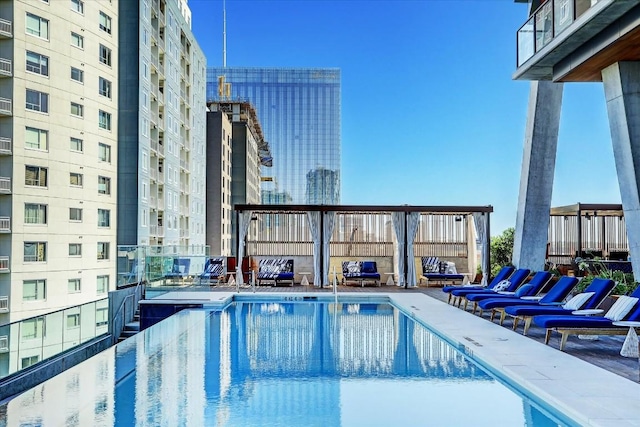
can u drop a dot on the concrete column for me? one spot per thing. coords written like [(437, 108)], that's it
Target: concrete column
[(536, 179), (622, 94)]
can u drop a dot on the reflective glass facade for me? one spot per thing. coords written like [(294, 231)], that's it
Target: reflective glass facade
[(299, 111)]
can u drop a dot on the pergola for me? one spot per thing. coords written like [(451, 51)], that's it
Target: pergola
[(401, 222)]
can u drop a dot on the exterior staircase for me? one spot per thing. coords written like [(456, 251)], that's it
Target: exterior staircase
[(131, 328)]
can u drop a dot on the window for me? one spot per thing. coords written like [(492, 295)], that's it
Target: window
[(73, 286), (75, 179), (78, 6), (77, 40), (37, 101), (34, 290), (37, 26), (104, 152), (104, 87), (104, 185), (105, 22), (73, 320), (36, 138), (104, 120), (35, 251), (105, 55), (35, 213), (75, 214), (75, 249), (25, 362), (77, 109), (101, 316), (36, 176), (102, 284), (75, 144), (32, 328), (103, 250), (37, 63), (77, 75), (104, 216)]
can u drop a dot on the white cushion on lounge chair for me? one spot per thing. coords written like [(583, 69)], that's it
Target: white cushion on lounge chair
[(621, 308), (577, 301), (501, 286)]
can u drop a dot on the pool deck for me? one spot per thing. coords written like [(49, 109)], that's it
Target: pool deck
[(589, 381)]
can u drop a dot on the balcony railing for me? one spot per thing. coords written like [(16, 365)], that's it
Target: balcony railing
[(4, 264), (4, 304), (5, 224), (5, 185), (6, 28), (547, 22), (5, 146), (5, 67), (5, 106)]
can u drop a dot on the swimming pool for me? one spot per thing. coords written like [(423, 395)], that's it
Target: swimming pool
[(279, 363)]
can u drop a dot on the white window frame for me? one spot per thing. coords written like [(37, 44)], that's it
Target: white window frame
[(79, 74), (77, 177), (104, 218), (40, 290), (39, 64), (104, 22), (41, 135), (42, 31), (35, 213), (77, 251), (103, 251), (40, 249), (77, 40), (79, 110), (76, 210), (74, 286), (42, 104), (78, 143)]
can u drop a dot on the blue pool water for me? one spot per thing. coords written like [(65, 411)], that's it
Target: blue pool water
[(278, 364)]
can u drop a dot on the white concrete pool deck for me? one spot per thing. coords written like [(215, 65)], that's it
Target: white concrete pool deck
[(588, 394)]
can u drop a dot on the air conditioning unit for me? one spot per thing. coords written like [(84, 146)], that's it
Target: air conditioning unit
[(4, 304), (4, 344)]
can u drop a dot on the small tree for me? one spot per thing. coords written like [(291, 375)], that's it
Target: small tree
[(502, 250)]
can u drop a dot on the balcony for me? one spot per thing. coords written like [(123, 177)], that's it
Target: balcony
[(4, 304), (5, 224), (5, 146), (573, 40), (5, 107), (4, 264), (6, 29), (6, 69), (5, 185)]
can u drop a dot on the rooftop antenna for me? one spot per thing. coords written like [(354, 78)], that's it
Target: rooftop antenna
[(224, 34)]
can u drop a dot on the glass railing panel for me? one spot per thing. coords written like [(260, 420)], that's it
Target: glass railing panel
[(88, 322), (563, 14), (583, 5), (544, 25), (526, 41), (54, 334), (102, 317), (31, 333), (71, 327)]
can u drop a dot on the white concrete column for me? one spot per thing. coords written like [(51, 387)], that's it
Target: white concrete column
[(536, 179), (622, 94)]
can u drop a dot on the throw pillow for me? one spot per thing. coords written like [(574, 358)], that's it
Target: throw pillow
[(621, 308), (501, 286), (577, 301), (523, 290)]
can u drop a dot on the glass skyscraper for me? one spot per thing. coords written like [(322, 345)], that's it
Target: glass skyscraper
[(299, 111)]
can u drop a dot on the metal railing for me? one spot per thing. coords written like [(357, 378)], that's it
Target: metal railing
[(6, 106), (34, 340), (5, 145), (4, 264), (5, 185), (5, 224), (5, 67), (6, 28)]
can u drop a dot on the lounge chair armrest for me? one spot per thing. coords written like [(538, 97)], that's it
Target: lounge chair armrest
[(532, 298), (506, 293)]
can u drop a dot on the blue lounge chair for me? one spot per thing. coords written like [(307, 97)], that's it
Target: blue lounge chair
[(503, 274), (625, 308), (530, 288), (514, 281), (555, 295), (600, 288), (213, 271)]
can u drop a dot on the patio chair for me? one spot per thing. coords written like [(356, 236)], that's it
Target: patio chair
[(507, 285), (589, 299), (213, 271), (530, 288), (625, 308), (555, 295), (503, 274)]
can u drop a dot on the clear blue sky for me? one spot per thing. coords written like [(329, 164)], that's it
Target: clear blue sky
[(430, 114)]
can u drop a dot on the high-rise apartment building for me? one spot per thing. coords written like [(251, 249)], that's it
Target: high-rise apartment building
[(299, 110), (236, 149), (161, 198), (58, 169)]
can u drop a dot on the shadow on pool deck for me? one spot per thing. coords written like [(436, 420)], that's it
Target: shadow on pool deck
[(605, 352)]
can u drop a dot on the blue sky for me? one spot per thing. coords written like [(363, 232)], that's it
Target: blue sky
[(430, 114)]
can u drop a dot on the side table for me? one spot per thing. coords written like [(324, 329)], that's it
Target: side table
[(588, 312), (630, 345), (304, 281), (390, 281)]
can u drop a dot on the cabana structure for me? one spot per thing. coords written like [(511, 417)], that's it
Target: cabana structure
[(589, 231), (321, 237)]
